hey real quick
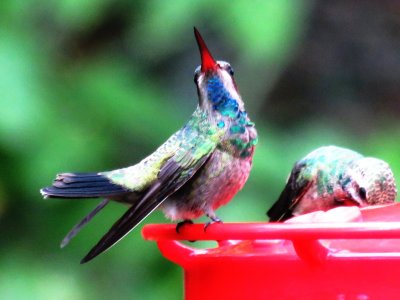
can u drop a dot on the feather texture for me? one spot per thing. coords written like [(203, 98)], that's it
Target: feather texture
[(82, 185), (170, 179), (198, 169), (332, 176), (75, 230)]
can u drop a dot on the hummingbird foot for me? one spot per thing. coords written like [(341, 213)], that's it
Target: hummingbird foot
[(213, 219), (181, 224)]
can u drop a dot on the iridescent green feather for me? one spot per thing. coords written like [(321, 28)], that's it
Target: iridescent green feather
[(195, 140), (326, 163)]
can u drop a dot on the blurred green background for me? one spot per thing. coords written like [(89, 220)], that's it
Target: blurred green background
[(98, 84)]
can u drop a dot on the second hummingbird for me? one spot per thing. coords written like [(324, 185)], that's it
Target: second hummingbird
[(198, 169), (333, 176)]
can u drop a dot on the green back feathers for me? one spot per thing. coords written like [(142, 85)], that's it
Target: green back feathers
[(186, 147), (326, 164), (142, 175)]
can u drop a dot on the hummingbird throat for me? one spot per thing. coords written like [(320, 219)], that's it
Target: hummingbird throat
[(228, 107), (221, 98)]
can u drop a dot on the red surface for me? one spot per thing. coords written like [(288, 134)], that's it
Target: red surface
[(357, 260)]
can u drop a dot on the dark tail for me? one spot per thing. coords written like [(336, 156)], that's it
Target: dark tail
[(75, 230), (82, 185)]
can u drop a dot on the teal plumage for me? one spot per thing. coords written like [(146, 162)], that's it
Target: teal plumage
[(332, 176), (198, 169)]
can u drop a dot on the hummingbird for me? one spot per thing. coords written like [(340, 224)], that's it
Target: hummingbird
[(332, 176), (198, 169)]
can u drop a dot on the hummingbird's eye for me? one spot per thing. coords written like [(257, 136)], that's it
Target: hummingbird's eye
[(197, 73), (230, 70), (363, 193), (196, 76)]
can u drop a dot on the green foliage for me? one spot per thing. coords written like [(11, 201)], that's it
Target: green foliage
[(94, 86)]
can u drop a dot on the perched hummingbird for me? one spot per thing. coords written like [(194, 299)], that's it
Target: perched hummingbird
[(198, 169), (332, 176)]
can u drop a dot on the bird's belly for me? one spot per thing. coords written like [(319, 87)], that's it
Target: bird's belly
[(214, 185)]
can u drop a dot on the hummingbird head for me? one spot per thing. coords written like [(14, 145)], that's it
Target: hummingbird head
[(370, 182), (215, 83)]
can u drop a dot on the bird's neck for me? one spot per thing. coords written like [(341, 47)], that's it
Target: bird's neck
[(226, 111), (224, 100)]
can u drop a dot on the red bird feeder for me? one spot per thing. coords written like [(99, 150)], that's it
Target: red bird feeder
[(346, 260)]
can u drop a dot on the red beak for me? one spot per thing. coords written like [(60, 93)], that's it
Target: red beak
[(207, 61)]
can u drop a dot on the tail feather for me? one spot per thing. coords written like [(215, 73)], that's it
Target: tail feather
[(69, 185), (75, 230), (80, 177), (82, 185)]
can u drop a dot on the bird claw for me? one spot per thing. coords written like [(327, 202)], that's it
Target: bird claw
[(214, 219), (181, 224)]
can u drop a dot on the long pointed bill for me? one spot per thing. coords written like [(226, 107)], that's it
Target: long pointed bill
[(207, 61)]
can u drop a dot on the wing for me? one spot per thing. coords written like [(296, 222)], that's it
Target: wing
[(174, 173), (295, 188)]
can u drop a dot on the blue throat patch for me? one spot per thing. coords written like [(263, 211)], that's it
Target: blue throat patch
[(229, 107), (221, 99)]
